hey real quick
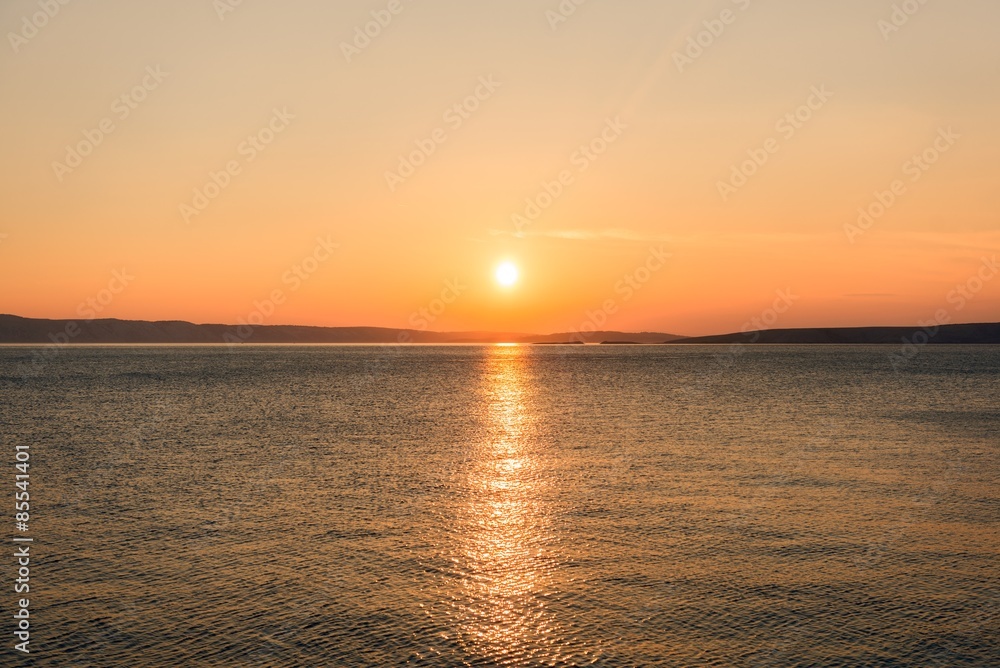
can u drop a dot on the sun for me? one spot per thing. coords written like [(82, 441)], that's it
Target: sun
[(507, 274)]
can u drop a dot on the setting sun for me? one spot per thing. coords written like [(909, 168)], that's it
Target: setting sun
[(507, 274)]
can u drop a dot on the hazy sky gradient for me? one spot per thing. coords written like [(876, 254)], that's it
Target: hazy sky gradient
[(656, 186)]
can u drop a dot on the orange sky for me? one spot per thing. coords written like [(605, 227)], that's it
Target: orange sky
[(237, 152)]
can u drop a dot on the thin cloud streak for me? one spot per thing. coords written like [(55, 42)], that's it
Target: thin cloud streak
[(614, 234)]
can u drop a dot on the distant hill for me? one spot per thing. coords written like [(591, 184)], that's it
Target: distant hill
[(15, 329), (605, 337), (974, 333)]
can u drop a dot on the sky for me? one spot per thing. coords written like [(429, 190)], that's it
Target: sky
[(684, 166)]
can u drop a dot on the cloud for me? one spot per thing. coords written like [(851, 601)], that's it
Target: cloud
[(613, 234), (871, 295)]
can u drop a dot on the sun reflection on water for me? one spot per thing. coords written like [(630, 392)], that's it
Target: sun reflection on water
[(504, 616)]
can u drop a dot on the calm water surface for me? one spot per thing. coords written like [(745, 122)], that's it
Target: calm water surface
[(484, 506)]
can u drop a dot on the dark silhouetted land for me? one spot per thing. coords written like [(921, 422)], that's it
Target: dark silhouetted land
[(973, 333), (15, 329)]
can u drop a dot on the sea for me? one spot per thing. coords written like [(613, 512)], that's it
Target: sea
[(604, 505)]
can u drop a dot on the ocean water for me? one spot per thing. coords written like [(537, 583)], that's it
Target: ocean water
[(515, 506)]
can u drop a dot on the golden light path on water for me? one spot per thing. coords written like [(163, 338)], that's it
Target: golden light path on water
[(503, 614)]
